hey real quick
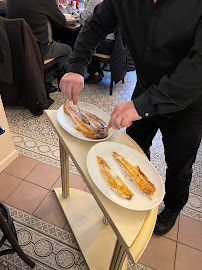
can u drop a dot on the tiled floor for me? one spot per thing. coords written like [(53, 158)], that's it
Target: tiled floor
[(28, 185)]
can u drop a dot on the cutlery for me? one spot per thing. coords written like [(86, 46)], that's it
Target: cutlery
[(85, 119)]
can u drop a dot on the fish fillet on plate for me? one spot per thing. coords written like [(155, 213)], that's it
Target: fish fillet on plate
[(136, 175), (113, 181), (89, 131)]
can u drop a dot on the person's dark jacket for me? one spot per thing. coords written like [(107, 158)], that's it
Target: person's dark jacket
[(21, 67), (118, 59), (2, 9), (39, 14), (165, 42), (130, 62)]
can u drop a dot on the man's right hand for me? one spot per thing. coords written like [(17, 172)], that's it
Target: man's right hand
[(71, 85)]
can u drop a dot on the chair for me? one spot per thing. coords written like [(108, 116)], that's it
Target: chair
[(51, 66), (9, 233), (105, 59), (117, 61), (21, 67)]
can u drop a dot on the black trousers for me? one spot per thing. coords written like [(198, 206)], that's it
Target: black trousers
[(60, 51), (181, 134)]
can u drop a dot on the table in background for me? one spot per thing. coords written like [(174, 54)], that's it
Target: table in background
[(67, 34), (71, 32), (105, 231)]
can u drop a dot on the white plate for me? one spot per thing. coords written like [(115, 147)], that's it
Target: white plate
[(68, 124), (139, 201), (71, 21)]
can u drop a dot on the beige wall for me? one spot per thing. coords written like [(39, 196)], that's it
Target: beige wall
[(7, 149)]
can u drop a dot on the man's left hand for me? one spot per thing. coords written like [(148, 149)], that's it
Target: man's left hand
[(123, 115)]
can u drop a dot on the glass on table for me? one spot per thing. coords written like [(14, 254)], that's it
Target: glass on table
[(65, 6), (64, 3), (81, 6), (69, 7)]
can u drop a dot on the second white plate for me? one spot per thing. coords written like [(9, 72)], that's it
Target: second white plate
[(139, 201)]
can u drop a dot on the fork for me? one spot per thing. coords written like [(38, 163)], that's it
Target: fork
[(85, 119)]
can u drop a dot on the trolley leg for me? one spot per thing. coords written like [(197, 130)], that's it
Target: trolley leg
[(64, 162), (118, 257)]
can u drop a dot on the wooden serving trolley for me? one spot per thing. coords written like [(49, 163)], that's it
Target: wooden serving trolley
[(107, 233)]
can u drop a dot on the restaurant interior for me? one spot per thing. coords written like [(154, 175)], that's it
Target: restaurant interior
[(43, 166)]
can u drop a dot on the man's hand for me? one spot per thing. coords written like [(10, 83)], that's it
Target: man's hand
[(123, 115), (71, 84)]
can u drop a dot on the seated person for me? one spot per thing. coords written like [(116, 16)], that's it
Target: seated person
[(105, 46), (3, 8), (39, 15)]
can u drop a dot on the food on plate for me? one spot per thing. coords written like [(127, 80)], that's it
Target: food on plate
[(136, 175), (113, 181), (96, 129)]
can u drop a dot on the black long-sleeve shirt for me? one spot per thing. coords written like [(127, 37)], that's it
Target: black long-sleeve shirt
[(165, 42), (39, 15)]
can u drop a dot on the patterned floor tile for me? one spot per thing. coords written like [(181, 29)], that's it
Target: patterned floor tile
[(50, 247)]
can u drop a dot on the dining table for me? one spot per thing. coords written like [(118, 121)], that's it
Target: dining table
[(107, 233), (70, 31)]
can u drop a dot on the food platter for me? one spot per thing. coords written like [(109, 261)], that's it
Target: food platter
[(68, 124), (139, 201)]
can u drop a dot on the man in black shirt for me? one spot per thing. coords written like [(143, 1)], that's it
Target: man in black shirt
[(165, 41), (39, 15)]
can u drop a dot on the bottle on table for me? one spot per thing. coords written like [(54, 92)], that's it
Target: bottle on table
[(64, 3), (69, 7), (74, 5)]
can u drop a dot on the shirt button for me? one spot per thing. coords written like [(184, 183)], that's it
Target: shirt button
[(146, 114)]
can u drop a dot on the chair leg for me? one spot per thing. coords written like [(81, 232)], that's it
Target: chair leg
[(111, 87), (58, 79), (58, 75), (123, 80), (14, 243), (105, 65)]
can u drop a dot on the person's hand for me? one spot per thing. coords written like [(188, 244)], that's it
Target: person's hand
[(123, 115), (71, 85)]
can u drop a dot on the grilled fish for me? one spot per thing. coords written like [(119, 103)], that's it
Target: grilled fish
[(136, 175), (88, 130), (113, 181)]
